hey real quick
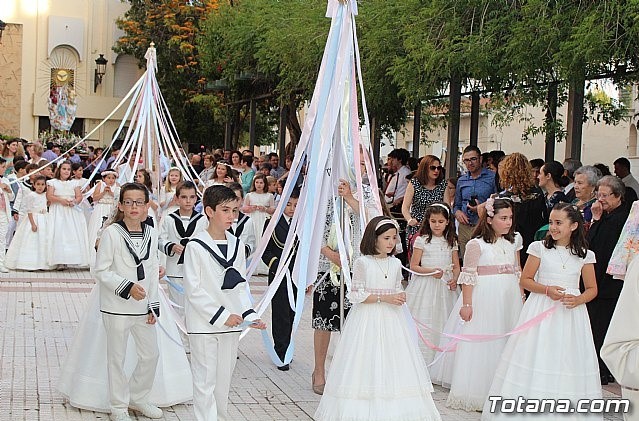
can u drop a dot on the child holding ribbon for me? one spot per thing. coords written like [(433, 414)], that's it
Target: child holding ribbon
[(490, 304), (378, 372), (555, 358), (431, 296)]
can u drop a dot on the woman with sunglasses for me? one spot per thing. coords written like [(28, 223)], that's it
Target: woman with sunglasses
[(427, 186)]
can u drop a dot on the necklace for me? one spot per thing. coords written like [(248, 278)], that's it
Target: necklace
[(380, 266), (563, 261)]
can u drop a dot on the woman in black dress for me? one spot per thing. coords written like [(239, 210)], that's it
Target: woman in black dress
[(609, 214)]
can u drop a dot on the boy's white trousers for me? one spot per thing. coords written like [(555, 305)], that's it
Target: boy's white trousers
[(122, 392), (213, 358)]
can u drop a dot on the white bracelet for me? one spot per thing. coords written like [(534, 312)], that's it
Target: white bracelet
[(467, 305)]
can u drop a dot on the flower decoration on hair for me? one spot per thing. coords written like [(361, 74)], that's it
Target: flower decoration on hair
[(490, 207)]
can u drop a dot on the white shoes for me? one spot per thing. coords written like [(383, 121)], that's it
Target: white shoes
[(120, 416), (3, 269), (148, 410)]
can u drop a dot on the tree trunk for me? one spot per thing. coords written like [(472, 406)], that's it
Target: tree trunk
[(417, 128), (452, 144), (293, 124), (550, 121), (575, 117)]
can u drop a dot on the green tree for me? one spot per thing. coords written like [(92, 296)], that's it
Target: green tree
[(281, 43), (174, 26)]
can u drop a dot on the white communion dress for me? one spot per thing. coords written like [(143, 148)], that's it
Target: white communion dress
[(28, 249), (84, 379), (378, 372), (492, 270), (555, 359), (102, 210), (258, 218), (68, 235), (429, 299)]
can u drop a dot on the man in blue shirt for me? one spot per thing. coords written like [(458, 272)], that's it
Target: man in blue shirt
[(473, 188)]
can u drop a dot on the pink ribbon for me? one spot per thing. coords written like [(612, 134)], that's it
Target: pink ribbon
[(452, 346)]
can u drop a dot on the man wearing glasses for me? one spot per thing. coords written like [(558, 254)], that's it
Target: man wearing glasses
[(473, 188)]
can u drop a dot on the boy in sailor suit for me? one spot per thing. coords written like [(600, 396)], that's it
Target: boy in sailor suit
[(216, 304), (127, 270), (6, 196), (242, 228), (281, 312), (176, 231)]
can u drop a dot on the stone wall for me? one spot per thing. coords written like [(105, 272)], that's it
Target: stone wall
[(10, 79)]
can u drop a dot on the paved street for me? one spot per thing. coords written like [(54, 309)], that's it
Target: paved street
[(40, 312)]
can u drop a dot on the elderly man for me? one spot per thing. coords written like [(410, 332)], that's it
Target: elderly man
[(196, 163)]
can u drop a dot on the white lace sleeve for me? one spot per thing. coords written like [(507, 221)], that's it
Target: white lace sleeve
[(358, 293), (468, 275)]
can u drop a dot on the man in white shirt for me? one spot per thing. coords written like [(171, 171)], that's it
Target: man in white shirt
[(398, 158), (622, 170)]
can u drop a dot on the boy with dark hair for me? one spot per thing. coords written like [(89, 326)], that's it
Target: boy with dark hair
[(216, 303), (176, 231), (282, 314), (242, 227)]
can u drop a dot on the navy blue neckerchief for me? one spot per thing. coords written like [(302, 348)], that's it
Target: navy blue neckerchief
[(242, 219), (146, 244), (231, 275), (185, 235)]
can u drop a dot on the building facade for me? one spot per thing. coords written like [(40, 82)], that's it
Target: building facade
[(600, 143), (47, 67)]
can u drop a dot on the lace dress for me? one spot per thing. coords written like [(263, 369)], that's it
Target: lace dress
[(378, 372), (67, 235), (28, 249), (429, 299), (258, 219), (102, 210), (555, 359), (492, 271)]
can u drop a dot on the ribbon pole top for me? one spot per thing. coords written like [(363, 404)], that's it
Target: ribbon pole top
[(151, 58), (334, 5)]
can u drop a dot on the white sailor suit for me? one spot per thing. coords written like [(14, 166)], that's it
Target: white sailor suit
[(125, 258), (175, 230), (243, 229), (212, 294)]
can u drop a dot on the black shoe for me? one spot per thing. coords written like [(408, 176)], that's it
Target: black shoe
[(611, 378), (285, 367), (604, 380)]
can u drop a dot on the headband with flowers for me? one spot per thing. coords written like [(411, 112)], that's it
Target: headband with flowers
[(490, 207)]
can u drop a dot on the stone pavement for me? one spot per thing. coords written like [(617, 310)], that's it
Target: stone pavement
[(39, 312)]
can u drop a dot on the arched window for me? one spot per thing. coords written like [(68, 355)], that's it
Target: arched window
[(63, 63)]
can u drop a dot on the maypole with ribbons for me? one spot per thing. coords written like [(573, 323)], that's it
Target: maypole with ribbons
[(331, 142)]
